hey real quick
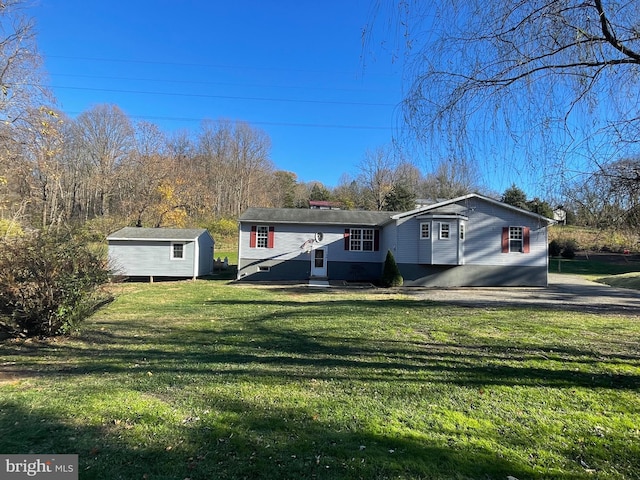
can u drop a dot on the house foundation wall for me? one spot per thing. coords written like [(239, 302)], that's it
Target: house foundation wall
[(299, 270), (414, 275), (473, 276)]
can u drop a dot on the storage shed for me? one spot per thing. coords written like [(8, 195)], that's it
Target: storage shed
[(161, 252)]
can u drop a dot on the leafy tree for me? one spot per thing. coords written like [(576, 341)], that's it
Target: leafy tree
[(400, 199), (48, 284), (10, 228), (350, 194), (391, 276), (319, 192), (515, 196), (285, 189), (555, 248), (540, 207)]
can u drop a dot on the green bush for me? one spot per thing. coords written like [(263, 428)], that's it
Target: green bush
[(569, 249), (9, 228), (555, 248), (48, 284), (224, 231), (391, 276)]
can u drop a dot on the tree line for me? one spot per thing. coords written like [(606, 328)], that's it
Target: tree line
[(104, 169)]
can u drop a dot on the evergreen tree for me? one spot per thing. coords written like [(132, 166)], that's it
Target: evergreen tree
[(391, 276)]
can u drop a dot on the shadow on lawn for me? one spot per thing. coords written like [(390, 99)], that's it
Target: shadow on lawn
[(232, 439), (255, 444), (270, 344)]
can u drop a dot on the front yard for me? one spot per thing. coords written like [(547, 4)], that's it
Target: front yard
[(204, 380)]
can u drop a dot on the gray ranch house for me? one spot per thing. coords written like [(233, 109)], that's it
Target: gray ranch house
[(161, 252), (471, 240)]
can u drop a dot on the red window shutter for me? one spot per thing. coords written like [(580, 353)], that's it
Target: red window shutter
[(376, 240), (505, 239), (346, 238), (252, 237), (526, 233), (271, 237)]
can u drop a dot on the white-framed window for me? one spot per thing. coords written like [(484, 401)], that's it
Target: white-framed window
[(462, 232), (425, 230), (177, 251), (361, 239), (262, 236), (515, 239), (445, 229)]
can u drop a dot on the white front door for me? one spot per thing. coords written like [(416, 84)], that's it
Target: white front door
[(319, 262)]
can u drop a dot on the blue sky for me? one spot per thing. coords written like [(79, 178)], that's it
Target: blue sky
[(291, 68)]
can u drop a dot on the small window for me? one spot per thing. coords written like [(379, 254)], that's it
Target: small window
[(262, 237), (177, 251), (462, 231), (319, 236), (515, 239), (444, 230), (367, 240), (264, 269), (425, 230)]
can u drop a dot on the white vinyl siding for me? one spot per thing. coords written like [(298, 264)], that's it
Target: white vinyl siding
[(289, 241)]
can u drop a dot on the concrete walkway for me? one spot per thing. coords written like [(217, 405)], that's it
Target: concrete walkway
[(565, 292)]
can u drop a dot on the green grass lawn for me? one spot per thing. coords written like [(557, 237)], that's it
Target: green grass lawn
[(624, 275), (204, 380), (591, 267), (623, 280)]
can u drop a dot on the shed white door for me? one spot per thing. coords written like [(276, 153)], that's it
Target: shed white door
[(319, 262)]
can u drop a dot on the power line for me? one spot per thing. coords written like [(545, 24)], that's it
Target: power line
[(196, 64), (275, 124), (226, 97), (193, 82)]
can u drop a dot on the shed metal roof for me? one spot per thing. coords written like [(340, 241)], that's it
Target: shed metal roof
[(316, 216), (164, 234)]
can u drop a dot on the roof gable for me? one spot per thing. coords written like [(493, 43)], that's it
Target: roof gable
[(451, 204)]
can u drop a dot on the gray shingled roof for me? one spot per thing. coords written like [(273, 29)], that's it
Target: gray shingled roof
[(315, 216), (168, 234)]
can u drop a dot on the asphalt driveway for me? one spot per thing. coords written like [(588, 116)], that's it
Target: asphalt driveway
[(565, 292)]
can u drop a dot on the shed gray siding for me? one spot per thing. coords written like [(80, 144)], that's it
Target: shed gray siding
[(143, 258), (206, 252), (148, 252)]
